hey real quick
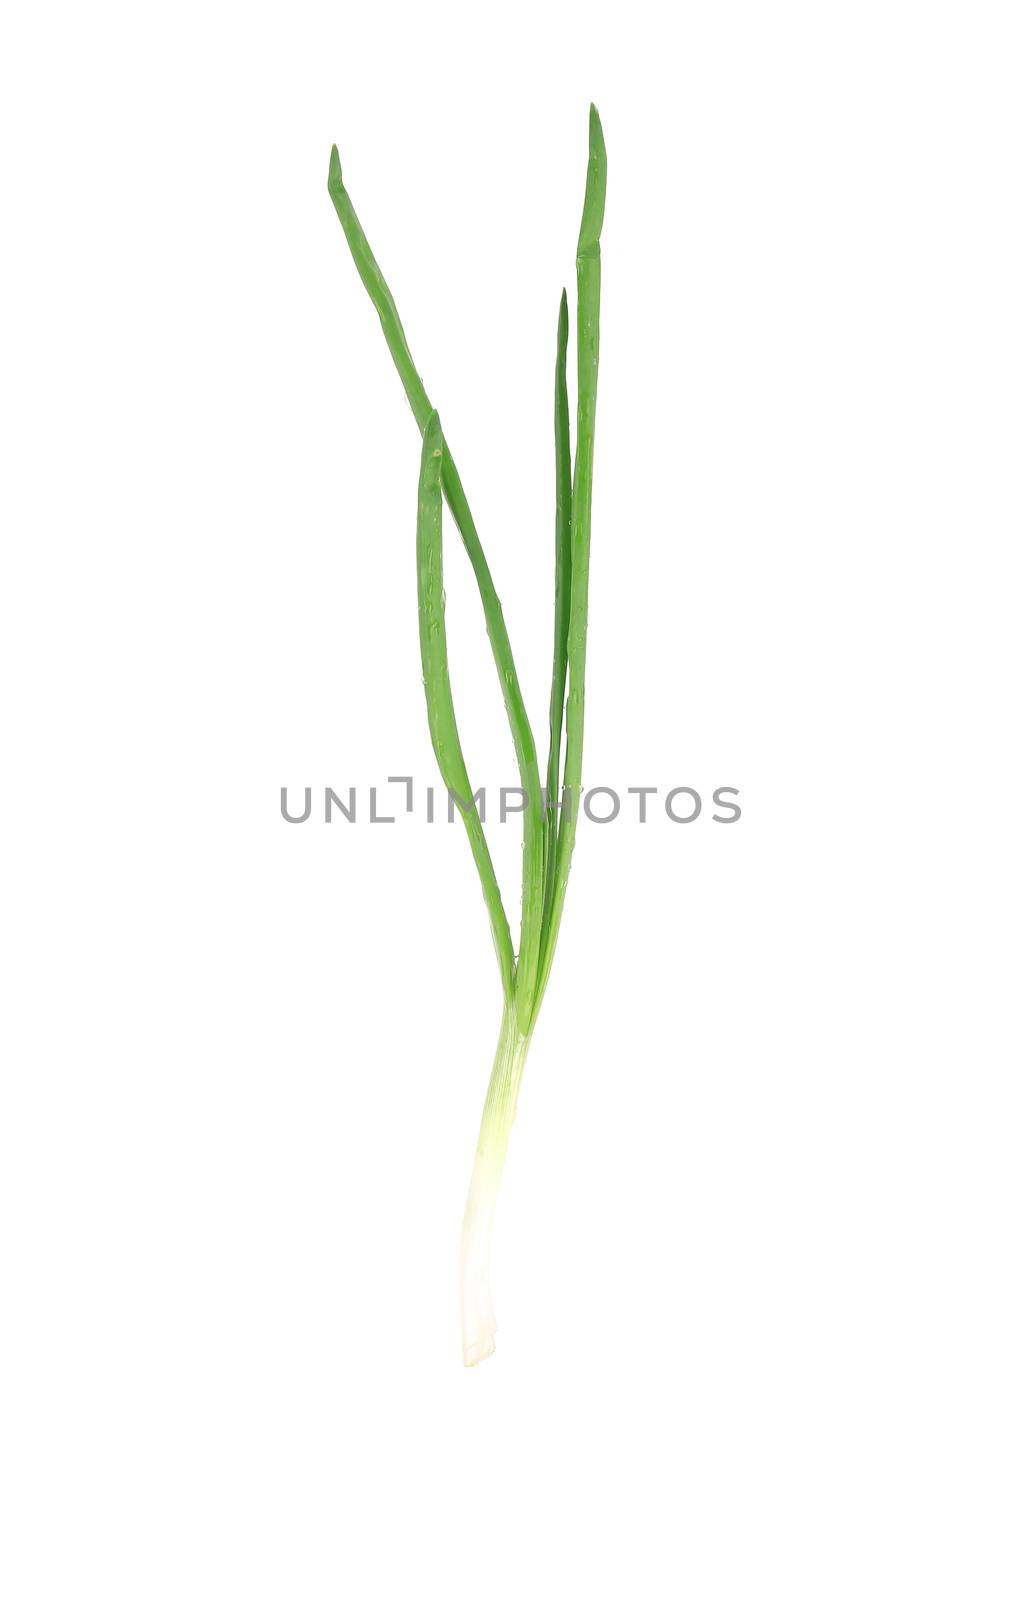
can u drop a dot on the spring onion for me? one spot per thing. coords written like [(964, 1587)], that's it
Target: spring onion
[(550, 816)]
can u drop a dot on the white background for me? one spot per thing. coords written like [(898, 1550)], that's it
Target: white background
[(753, 1253)]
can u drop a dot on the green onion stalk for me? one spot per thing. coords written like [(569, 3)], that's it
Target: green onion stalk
[(550, 816)]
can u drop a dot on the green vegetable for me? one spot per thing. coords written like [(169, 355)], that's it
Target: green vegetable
[(550, 821)]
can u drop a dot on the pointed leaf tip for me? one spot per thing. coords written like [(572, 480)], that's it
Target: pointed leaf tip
[(433, 439), (595, 136), (334, 180), (594, 193), (431, 475)]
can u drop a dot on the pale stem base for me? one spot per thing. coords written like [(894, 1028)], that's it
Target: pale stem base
[(478, 1325)]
